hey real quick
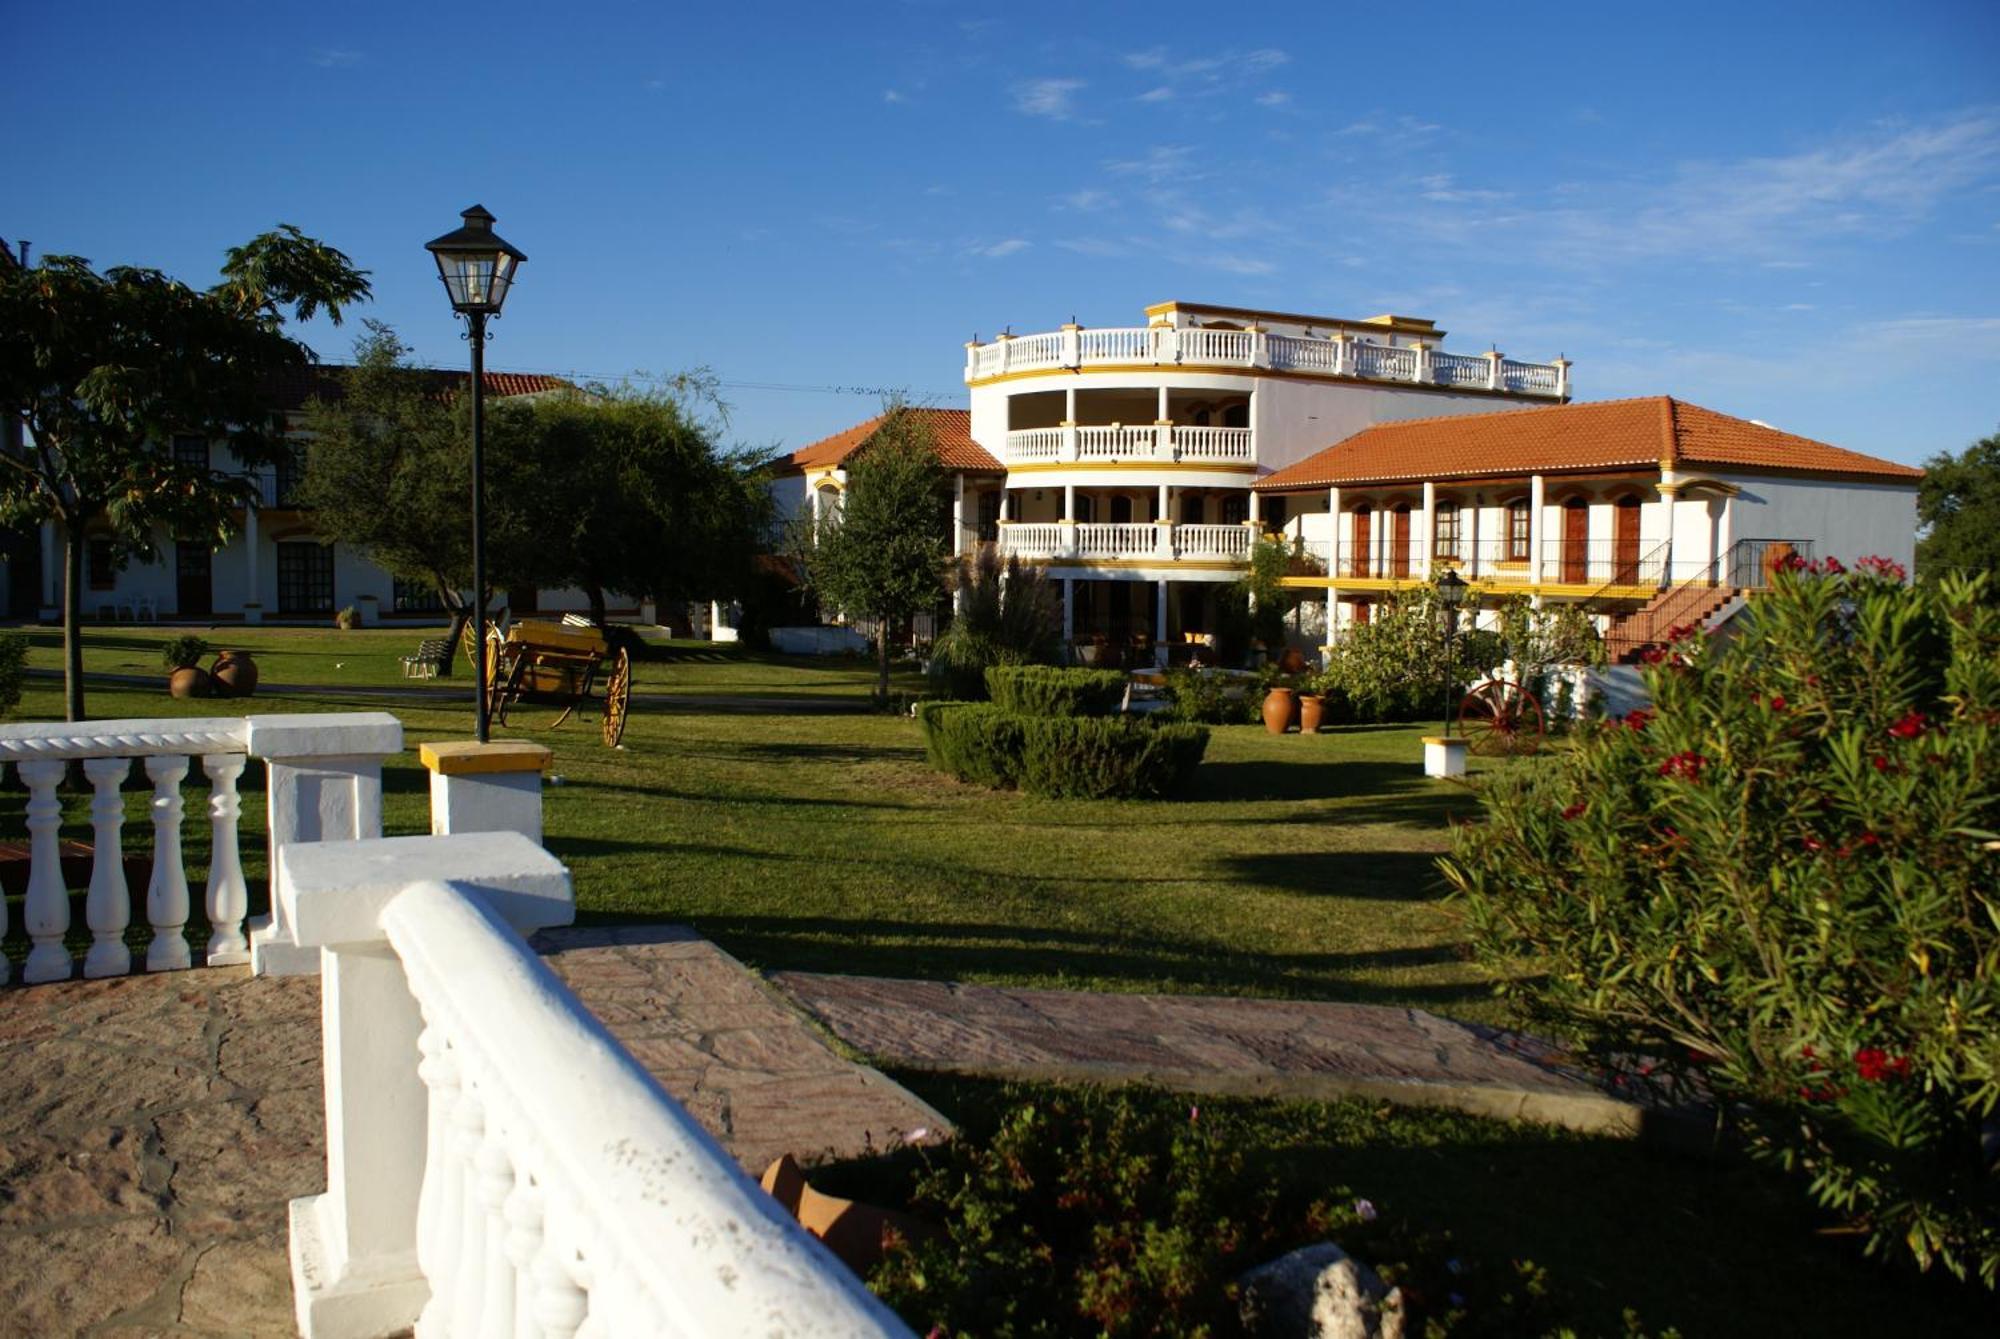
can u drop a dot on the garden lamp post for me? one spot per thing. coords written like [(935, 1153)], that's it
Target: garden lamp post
[(1451, 588), (477, 268)]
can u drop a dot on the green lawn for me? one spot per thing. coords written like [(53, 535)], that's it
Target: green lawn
[(820, 840)]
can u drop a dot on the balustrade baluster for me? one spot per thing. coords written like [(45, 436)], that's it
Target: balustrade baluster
[(523, 1212), (167, 891), (468, 1128), (227, 902), (560, 1306), (45, 913), (438, 1202), (108, 907), (494, 1178)]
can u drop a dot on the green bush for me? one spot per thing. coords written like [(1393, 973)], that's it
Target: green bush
[(1094, 758), (13, 669), (1393, 668), (1132, 1213), (1010, 615), (1060, 757), (1781, 886), (973, 741), (1044, 690), (1207, 699), (183, 652)]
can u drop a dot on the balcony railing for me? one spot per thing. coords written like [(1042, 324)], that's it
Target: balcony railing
[(1597, 562), (1163, 442), (1056, 542), (1339, 356)]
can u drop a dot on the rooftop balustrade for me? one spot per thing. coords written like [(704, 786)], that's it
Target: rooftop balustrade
[(1340, 355), (1122, 442), (1055, 541)]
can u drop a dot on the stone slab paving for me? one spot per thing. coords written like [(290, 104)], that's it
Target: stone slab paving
[(1192, 1043), (154, 1127)]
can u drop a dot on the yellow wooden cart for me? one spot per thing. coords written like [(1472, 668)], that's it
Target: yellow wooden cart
[(558, 664)]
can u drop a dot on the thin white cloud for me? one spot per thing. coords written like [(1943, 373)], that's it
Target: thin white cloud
[(1094, 246), (1164, 93), (894, 95), (995, 250), (1277, 97), (1086, 201), (1054, 99), (1162, 162), (336, 58), (1198, 76), (1236, 264)]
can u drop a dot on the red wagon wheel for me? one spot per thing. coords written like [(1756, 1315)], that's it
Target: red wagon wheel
[(1500, 718)]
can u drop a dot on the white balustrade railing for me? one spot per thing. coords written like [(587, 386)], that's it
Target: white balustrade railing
[(1117, 541), (170, 748), (509, 1169), (1213, 541), (1116, 442), (1031, 539), (1035, 444), (1192, 443), (1162, 346)]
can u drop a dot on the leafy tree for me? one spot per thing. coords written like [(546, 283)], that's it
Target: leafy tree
[(1959, 501), (389, 472), (106, 367), (1010, 614), (882, 554), (629, 492)]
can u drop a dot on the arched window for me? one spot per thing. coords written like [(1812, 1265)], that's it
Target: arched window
[(1520, 529), (1444, 529)]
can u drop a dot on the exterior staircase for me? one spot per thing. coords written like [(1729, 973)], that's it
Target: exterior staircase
[(1700, 600)]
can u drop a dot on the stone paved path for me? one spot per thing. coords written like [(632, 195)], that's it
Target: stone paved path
[(1193, 1043), (153, 1128)]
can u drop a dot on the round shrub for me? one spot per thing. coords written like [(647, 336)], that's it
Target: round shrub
[(1781, 886), (973, 741), (1045, 690), (1091, 758)]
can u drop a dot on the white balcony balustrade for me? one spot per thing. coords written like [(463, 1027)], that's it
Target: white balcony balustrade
[(317, 766), (1340, 356), (497, 1163), (1163, 442), (1136, 541)]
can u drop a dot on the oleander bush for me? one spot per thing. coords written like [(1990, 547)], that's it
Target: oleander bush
[(1060, 757), (1045, 690), (1780, 889)]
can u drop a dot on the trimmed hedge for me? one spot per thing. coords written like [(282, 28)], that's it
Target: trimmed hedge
[(1044, 690), (1060, 757)]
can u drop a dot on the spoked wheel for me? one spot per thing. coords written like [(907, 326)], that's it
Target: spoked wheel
[(617, 697), (1500, 718)]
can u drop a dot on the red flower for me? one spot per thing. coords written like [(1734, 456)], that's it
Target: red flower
[(1812, 843), (1910, 726), (1881, 763), (1638, 719), (1885, 568), (1682, 632), (1869, 839), (1777, 703), (1686, 766), (1791, 562), (1832, 567), (1575, 810), (1652, 655)]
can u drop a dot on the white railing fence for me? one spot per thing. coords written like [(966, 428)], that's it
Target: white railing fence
[(497, 1163), (324, 781)]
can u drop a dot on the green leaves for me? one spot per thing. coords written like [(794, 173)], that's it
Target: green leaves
[(1780, 871)]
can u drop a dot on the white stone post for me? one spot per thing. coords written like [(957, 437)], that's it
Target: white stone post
[(1444, 756), (1343, 354), (1332, 545), (354, 1248), (1260, 347), (324, 783), (1426, 370), (1496, 372), (1256, 512), (494, 787), (253, 594), (1163, 416), (1562, 378), (1072, 350), (958, 515), (971, 358)]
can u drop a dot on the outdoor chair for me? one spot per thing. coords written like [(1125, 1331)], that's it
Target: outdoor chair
[(429, 661)]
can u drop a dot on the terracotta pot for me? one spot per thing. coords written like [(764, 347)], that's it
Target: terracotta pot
[(1309, 714), (1293, 661), (235, 674), (189, 681), (852, 1231), (1278, 707)]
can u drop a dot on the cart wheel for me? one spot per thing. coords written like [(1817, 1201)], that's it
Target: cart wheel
[(1499, 718), (617, 697)]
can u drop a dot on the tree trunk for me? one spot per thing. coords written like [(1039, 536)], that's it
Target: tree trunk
[(72, 623), (460, 616), (882, 663), (596, 594)]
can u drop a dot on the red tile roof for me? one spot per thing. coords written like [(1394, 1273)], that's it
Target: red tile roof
[(327, 381), (951, 430), (1608, 434)]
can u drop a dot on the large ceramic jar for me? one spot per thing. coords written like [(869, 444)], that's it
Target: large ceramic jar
[(235, 674), (1278, 704), (1309, 713), (188, 681)]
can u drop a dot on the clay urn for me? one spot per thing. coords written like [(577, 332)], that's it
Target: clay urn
[(1309, 710), (1278, 706), (189, 681), (235, 674)]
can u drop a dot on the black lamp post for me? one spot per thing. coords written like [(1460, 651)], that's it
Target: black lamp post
[(477, 268), (1451, 589)]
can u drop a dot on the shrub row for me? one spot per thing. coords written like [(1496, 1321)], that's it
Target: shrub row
[(1044, 690), (1060, 757)]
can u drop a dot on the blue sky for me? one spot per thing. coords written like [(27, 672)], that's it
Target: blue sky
[(1790, 212)]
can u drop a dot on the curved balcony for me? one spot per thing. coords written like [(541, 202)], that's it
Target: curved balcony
[(1193, 347), (1054, 541), (1162, 442)]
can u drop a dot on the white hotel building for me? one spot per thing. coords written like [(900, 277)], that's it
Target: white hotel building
[(1140, 463)]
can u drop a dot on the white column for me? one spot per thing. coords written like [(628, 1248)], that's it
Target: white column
[(1471, 554), (167, 893), (1423, 534), (1256, 507), (52, 572), (253, 591), (1332, 547), (1069, 504), (1069, 404), (958, 515), (1162, 416), (1537, 494), (1166, 503), (1562, 377), (1006, 503), (107, 908), (324, 783)]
